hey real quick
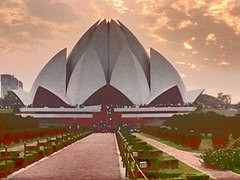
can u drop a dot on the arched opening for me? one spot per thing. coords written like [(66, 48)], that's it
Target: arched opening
[(107, 95), (171, 96), (44, 97)]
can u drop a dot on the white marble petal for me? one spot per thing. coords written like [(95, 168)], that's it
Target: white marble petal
[(116, 42), (137, 49), (87, 77), (24, 96), (191, 96), (53, 77), (163, 76), (99, 42), (129, 78)]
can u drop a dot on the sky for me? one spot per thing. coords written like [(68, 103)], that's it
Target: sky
[(201, 38)]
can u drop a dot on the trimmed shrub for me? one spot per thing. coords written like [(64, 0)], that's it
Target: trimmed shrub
[(10, 166), (7, 138), (219, 140), (164, 174), (197, 176), (194, 140), (17, 136), (168, 164)]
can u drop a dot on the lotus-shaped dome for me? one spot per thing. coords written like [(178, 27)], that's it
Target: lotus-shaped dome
[(108, 65)]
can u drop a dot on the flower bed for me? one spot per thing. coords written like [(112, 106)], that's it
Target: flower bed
[(33, 153), (10, 167), (150, 161), (228, 159)]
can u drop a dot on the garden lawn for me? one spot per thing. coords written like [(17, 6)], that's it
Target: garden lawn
[(187, 169), (182, 166)]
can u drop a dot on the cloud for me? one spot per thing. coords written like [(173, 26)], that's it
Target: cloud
[(180, 62), (223, 63), (183, 75), (30, 23), (235, 11), (50, 10), (223, 11), (192, 66), (187, 45), (8, 4), (19, 35), (210, 36), (119, 5)]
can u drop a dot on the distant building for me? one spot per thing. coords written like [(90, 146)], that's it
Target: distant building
[(8, 83)]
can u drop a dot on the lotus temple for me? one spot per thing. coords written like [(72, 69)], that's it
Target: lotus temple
[(107, 79)]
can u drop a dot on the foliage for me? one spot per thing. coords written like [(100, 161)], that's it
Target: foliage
[(219, 140), (160, 165), (224, 98), (7, 136), (222, 158), (236, 143), (10, 100), (11, 121), (15, 128), (208, 100), (209, 122), (185, 138), (85, 128)]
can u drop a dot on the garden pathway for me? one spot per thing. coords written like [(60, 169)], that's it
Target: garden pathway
[(191, 159), (94, 157)]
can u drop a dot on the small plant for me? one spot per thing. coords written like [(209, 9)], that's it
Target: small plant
[(222, 158), (236, 143)]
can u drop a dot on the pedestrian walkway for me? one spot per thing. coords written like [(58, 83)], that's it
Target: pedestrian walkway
[(190, 159), (94, 157)]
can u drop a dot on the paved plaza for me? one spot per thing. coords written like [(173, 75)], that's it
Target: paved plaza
[(94, 157)]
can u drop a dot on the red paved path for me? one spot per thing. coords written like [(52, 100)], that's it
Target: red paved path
[(94, 157), (190, 159)]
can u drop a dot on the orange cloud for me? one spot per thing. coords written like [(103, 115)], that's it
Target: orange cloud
[(221, 10), (119, 5), (223, 63), (211, 37), (187, 45), (179, 62), (183, 75)]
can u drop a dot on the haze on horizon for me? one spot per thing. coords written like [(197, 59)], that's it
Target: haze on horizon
[(200, 38)]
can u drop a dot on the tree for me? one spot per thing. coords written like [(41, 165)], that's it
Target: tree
[(225, 99)]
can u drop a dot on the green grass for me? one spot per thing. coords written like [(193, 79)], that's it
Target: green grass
[(182, 167), (206, 143)]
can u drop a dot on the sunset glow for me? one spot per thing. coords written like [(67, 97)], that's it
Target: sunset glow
[(200, 38)]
